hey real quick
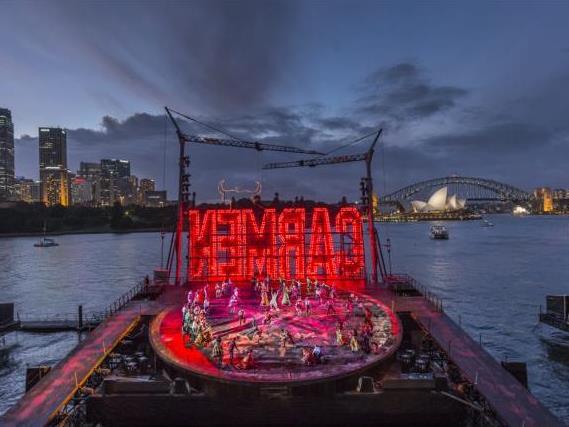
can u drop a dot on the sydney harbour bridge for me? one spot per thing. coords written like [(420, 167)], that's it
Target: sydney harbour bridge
[(470, 188)]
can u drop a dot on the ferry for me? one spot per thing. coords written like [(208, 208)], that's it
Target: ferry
[(439, 232)]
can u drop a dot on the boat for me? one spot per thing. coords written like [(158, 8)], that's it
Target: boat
[(46, 243), (439, 232), (520, 211), (486, 223)]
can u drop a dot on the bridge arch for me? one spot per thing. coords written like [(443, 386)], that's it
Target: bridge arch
[(470, 188)]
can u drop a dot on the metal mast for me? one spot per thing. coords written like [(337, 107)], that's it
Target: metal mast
[(367, 192), (176, 249)]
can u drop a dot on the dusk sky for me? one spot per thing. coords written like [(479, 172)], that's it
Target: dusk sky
[(475, 89)]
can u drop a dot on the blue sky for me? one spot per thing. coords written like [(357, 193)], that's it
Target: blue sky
[(477, 88)]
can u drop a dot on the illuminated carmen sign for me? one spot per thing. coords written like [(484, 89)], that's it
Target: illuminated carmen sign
[(238, 244)]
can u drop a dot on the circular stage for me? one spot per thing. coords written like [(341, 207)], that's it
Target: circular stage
[(281, 347)]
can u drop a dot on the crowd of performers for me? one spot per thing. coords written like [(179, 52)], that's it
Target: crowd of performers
[(306, 298)]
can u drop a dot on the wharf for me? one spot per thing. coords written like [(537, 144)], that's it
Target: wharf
[(513, 403), (43, 402)]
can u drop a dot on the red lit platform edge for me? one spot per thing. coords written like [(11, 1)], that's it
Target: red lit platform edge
[(275, 363)]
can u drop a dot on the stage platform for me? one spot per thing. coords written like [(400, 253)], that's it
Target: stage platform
[(275, 363)]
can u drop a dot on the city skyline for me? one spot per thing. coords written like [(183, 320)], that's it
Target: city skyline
[(466, 100)]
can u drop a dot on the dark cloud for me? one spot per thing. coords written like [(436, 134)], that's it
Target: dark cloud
[(209, 54), (402, 93)]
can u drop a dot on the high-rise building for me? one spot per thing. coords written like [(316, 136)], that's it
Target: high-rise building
[(545, 196), (89, 170), (145, 185), (81, 191), (54, 176), (26, 190), (6, 155), (115, 168), (113, 175)]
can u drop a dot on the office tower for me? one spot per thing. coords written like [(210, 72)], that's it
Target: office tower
[(145, 185), (545, 197), (89, 170), (6, 155), (54, 177), (113, 175)]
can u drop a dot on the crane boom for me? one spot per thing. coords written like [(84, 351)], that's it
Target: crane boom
[(318, 161), (259, 146), (233, 142)]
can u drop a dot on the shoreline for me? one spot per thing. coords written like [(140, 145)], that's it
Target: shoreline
[(88, 231)]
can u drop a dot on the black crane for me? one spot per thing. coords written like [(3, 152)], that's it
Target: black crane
[(184, 176), (367, 192)]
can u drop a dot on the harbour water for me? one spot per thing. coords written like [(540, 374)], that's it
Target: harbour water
[(491, 279)]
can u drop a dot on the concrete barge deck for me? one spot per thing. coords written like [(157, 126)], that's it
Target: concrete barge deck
[(512, 403)]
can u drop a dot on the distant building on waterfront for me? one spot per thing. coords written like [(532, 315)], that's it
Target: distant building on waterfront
[(112, 182), (26, 190), (6, 155), (438, 202), (145, 186), (544, 196), (89, 170), (81, 191), (54, 176), (155, 199)]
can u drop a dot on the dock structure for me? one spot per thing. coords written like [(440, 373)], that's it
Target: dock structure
[(512, 402), (44, 401)]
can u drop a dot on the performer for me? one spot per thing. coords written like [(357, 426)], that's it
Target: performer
[(232, 349), (248, 361), (206, 305), (354, 344), (298, 306), (308, 286), (339, 335), (317, 353), (274, 303), (286, 299), (241, 315), (268, 317), (318, 292), (217, 351), (232, 304), (218, 291), (286, 337), (330, 307), (264, 296), (190, 297), (306, 306), (332, 294)]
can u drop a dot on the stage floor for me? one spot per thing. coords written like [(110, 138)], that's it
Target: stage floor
[(275, 363)]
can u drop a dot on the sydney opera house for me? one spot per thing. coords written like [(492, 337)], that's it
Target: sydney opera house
[(439, 202)]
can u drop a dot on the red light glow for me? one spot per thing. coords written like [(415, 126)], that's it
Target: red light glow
[(292, 243)]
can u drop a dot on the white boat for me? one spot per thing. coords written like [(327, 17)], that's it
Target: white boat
[(439, 232), (520, 211), (46, 243), (486, 223)]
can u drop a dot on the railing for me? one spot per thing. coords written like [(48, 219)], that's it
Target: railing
[(88, 319), (425, 292)]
